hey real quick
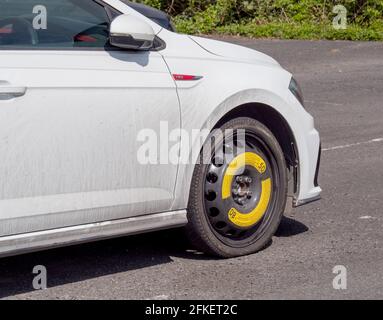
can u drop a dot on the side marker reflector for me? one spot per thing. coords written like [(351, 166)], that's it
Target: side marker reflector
[(186, 77)]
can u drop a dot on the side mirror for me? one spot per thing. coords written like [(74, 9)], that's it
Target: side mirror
[(130, 32)]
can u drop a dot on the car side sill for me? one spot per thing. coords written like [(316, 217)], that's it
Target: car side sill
[(36, 241)]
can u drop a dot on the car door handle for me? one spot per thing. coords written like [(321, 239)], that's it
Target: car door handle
[(12, 91)]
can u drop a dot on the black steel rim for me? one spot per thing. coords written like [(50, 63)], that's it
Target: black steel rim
[(246, 191)]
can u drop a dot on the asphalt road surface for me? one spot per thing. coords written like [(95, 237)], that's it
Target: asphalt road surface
[(343, 86)]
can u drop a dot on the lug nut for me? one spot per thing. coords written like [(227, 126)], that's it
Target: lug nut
[(239, 179)]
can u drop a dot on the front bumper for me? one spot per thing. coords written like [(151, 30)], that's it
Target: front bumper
[(316, 179), (316, 191)]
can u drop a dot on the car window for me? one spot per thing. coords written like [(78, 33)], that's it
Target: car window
[(39, 24)]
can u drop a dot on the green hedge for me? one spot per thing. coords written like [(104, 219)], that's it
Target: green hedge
[(291, 19)]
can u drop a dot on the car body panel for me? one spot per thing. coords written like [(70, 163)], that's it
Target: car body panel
[(68, 151), (236, 52), (48, 239), (65, 142), (263, 82)]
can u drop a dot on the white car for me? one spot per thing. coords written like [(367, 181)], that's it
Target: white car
[(87, 88)]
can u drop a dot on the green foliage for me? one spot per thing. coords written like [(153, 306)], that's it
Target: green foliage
[(290, 19), (305, 31)]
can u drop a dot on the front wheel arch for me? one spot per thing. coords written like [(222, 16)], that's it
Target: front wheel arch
[(280, 128)]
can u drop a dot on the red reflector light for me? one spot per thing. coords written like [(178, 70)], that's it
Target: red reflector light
[(185, 77)]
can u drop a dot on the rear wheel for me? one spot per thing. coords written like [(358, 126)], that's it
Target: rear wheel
[(239, 192)]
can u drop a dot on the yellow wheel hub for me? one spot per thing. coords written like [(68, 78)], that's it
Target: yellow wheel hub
[(247, 220)]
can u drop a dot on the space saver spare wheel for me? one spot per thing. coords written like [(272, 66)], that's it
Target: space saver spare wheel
[(237, 199)]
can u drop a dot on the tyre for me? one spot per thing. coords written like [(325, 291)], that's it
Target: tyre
[(238, 192)]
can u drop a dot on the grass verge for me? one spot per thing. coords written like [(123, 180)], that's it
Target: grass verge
[(282, 30)]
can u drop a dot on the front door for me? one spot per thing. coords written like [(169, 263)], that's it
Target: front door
[(71, 111)]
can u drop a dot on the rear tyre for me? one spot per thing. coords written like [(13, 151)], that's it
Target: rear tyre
[(238, 192)]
